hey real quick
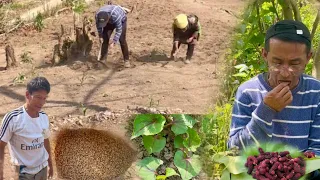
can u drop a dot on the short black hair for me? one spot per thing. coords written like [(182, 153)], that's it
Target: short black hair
[(289, 31), (38, 83)]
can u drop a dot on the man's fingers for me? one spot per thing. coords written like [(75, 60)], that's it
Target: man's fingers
[(288, 101), (280, 87), (283, 91), (287, 96)]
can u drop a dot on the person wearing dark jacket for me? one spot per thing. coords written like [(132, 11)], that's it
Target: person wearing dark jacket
[(108, 18), (186, 30)]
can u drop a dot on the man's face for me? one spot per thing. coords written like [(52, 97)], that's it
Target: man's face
[(286, 62), (37, 99)]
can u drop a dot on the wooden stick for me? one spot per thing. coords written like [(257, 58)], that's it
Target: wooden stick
[(100, 47), (16, 27), (61, 10)]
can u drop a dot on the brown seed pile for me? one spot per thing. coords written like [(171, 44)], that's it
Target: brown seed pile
[(91, 154)]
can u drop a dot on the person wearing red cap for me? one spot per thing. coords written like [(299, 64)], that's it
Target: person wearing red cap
[(108, 18), (186, 30)]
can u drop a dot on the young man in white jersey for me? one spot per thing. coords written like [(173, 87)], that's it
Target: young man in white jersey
[(26, 130)]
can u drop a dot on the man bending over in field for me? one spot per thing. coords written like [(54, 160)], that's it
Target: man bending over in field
[(186, 30), (283, 104), (26, 129), (108, 18)]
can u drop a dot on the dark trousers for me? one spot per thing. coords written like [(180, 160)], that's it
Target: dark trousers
[(189, 50), (42, 175), (107, 31)]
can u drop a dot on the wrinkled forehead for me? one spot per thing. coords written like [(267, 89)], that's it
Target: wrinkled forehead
[(292, 47)]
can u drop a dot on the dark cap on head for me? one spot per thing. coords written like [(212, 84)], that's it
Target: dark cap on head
[(102, 18), (290, 30)]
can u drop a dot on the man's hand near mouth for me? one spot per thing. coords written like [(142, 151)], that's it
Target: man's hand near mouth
[(279, 97)]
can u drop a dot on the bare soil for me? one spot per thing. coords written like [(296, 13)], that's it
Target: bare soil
[(152, 81)]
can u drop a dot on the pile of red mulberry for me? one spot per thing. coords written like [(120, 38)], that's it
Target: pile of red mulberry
[(276, 166)]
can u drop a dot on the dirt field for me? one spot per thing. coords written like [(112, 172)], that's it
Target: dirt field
[(152, 81)]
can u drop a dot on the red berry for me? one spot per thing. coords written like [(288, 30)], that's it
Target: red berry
[(284, 153), (279, 174), (296, 168), (282, 159), (261, 150)]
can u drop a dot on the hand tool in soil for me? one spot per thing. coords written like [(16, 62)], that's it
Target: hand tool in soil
[(99, 53), (176, 53)]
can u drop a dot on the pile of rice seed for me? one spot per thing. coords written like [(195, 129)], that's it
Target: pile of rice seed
[(91, 154)]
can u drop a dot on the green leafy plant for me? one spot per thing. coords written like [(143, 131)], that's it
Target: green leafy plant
[(83, 108), (17, 6), (214, 132), (26, 58), (20, 78), (153, 102), (78, 6), (83, 77), (101, 2), (244, 72), (157, 131), (38, 22)]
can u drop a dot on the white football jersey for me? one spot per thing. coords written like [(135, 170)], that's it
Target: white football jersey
[(25, 136)]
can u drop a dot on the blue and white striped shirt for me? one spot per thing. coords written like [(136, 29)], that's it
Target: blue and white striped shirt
[(117, 17), (298, 124)]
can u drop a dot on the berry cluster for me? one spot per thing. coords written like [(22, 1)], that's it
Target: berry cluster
[(276, 166)]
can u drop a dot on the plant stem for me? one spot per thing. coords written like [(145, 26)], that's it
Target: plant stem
[(273, 4), (167, 117), (316, 64), (315, 25), (287, 10), (259, 19), (295, 9), (167, 125)]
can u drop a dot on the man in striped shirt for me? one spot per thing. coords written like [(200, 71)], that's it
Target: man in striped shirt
[(26, 130), (283, 104), (108, 18)]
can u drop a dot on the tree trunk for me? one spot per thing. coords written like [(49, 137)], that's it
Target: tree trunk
[(274, 6), (295, 9), (10, 57), (77, 42), (287, 10), (316, 64), (315, 25), (259, 18)]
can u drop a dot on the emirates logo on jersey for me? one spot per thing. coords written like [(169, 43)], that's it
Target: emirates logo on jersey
[(35, 141), (36, 144)]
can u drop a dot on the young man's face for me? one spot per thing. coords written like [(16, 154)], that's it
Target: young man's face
[(37, 99), (286, 62)]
